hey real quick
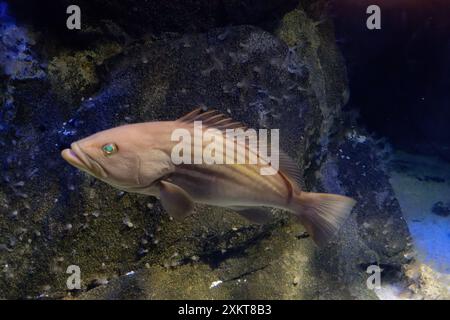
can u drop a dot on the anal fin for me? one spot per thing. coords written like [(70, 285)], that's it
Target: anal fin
[(255, 215)]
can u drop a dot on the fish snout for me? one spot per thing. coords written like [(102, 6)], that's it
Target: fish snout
[(81, 155), (74, 157), (79, 159)]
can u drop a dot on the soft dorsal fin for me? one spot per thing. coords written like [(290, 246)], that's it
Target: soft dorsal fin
[(212, 119), (290, 169)]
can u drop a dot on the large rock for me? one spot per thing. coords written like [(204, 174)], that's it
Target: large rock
[(53, 216)]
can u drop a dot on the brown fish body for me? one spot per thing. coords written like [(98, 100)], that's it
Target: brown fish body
[(145, 166), (231, 185), (225, 185)]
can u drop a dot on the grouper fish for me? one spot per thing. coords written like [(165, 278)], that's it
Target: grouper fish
[(137, 158)]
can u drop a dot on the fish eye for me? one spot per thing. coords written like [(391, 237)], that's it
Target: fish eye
[(109, 149)]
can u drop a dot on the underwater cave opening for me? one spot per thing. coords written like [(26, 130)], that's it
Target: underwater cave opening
[(399, 76)]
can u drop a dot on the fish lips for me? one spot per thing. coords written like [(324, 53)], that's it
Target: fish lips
[(79, 159)]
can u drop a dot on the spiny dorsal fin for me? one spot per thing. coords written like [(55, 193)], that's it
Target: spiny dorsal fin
[(212, 119), (191, 115), (215, 119)]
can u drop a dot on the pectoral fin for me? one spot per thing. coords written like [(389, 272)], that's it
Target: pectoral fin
[(255, 215), (175, 200)]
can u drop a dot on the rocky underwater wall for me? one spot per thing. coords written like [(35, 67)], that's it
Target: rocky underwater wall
[(275, 66)]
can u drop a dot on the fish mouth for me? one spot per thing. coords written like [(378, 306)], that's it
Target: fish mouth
[(81, 160)]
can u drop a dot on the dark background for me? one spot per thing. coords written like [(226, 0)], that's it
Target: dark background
[(400, 75)]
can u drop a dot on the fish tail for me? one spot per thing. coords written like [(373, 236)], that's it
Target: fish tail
[(322, 214)]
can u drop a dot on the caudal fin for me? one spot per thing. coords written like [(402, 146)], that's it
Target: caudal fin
[(323, 214)]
